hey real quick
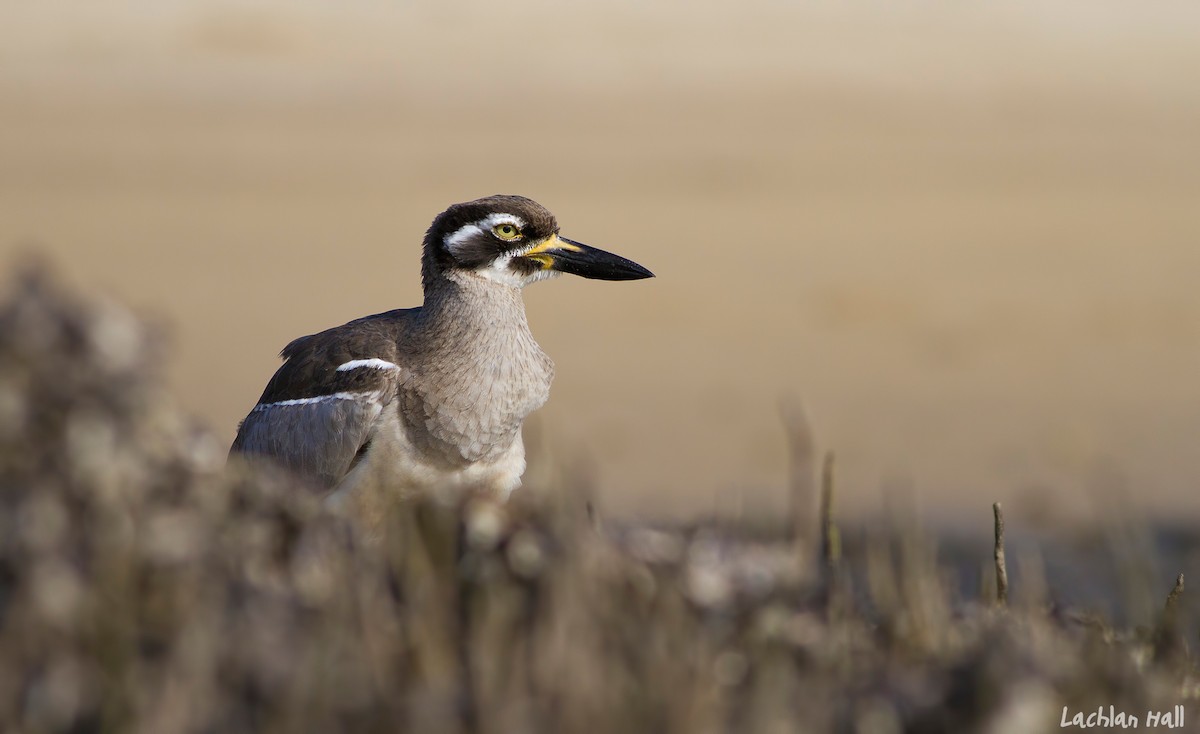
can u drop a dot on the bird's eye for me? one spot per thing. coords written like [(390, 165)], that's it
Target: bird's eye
[(506, 231)]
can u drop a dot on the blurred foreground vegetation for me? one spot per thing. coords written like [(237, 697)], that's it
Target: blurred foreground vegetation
[(143, 588)]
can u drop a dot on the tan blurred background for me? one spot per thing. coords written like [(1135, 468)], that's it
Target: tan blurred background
[(966, 234)]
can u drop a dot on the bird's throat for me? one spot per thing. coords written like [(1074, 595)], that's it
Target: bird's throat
[(481, 371)]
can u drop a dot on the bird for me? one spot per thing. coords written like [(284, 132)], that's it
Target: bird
[(428, 399)]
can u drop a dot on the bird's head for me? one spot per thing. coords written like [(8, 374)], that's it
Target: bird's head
[(514, 241)]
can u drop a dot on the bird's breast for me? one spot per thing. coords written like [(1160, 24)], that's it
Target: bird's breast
[(471, 410)]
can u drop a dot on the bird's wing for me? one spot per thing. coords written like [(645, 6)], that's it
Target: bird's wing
[(318, 414)]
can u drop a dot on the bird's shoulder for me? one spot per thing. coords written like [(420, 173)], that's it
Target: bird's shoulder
[(359, 357)]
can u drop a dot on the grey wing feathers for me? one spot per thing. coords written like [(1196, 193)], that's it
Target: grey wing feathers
[(318, 439), (318, 412)]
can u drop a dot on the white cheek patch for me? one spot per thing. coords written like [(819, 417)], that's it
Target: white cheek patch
[(455, 240), (500, 272)]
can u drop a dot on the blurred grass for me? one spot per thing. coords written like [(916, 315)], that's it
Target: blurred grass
[(144, 588)]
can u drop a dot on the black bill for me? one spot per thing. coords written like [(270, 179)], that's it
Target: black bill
[(579, 259)]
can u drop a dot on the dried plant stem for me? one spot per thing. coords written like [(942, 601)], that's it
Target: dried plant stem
[(998, 556), (1168, 642), (1176, 592), (831, 542), (801, 468)]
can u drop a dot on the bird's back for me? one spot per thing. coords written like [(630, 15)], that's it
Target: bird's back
[(317, 413)]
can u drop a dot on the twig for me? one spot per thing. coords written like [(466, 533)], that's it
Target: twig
[(998, 556)]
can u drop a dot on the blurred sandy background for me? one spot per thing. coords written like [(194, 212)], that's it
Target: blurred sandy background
[(966, 234)]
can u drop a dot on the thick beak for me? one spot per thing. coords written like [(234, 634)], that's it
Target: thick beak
[(576, 258)]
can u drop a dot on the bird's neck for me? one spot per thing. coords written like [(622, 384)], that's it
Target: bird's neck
[(477, 371), (466, 306)]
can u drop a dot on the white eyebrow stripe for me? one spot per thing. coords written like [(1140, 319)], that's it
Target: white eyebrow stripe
[(373, 363), (318, 399), (492, 220), (467, 231)]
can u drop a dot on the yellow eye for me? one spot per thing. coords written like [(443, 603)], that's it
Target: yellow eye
[(506, 231)]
